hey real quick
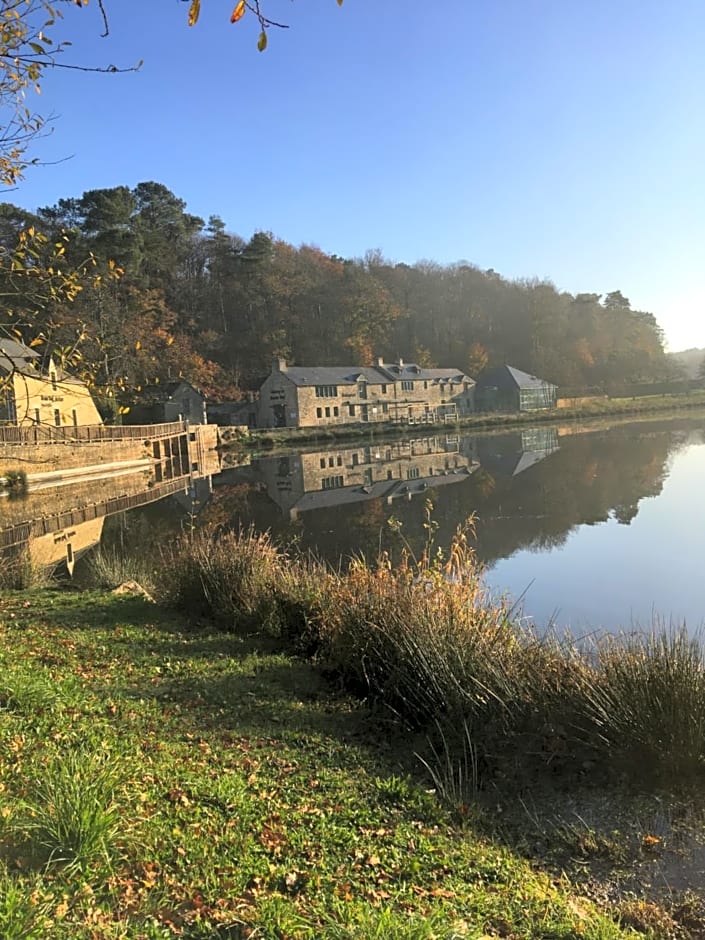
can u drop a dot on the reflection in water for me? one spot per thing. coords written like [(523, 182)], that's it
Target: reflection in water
[(61, 513), (550, 505)]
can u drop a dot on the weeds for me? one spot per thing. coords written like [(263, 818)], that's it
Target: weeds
[(22, 916), (423, 639), (71, 814), (19, 572), (109, 568), (16, 483)]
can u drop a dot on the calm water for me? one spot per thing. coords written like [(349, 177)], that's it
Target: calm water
[(599, 529)]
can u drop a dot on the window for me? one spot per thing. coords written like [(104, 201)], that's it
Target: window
[(352, 409), (331, 461), (407, 386), (327, 412), (323, 463), (331, 483), (385, 408), (37, 419), (413, 473), (326, 391), (355, 460), (384, 389), (362, 389), (53, 380), (425, 384), (57, 417), (336, 411), (319, 412), (339, 461)]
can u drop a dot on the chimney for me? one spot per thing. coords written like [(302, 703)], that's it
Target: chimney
[(400, 363), (279, 365), (379, 361)]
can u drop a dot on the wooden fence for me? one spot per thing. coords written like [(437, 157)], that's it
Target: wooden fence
[(89, 434)]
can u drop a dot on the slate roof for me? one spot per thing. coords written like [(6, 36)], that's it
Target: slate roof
[(304, 376), (508, 375), (14, 355), (165, 390)]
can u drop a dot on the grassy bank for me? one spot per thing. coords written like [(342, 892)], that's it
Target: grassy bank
[(422, 639), (279, 750), (654, 404), (159, 780)]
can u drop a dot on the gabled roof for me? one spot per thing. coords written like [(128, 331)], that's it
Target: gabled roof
[(166, 390), (14, 355), (304, 376), (334, 375), (504, 376)]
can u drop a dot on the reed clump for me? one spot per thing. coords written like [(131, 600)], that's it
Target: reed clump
[(424, 639)]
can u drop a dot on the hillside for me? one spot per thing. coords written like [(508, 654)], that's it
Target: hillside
[(689, 359)]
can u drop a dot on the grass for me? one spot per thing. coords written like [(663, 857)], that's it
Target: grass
[(109, 568), (224, 789), (422, 640)]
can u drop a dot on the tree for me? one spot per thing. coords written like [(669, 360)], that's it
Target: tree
[(241, 7), (27, 50)]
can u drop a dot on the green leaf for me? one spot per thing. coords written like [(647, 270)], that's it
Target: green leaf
[(262, 41)]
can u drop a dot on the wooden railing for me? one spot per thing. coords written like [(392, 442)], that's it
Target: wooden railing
[(89, 434), (21, 532)]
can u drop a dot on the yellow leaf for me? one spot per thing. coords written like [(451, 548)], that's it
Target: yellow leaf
[(262, 41), (37, 341), (194, 11), (340, 3), (238, 12), (138, 345), (170, 341)]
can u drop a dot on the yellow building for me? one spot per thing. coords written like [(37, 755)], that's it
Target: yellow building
[(32, 396)]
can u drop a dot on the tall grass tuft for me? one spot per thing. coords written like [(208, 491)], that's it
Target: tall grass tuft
[(19, 572), (109, 568), (71, 814), (424, 639), (231, 577), (648, 702)]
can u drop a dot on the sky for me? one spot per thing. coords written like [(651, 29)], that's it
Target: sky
[(558, 139)]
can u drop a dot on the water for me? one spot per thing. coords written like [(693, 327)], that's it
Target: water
[(602, 528)]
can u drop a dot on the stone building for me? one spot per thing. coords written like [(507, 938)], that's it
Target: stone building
[(175, 400), (299, 396), (31, 395)]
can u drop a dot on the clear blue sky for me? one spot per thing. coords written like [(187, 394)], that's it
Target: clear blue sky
[(554, 138)]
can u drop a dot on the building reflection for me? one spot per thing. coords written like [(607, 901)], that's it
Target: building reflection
[(386, 471), (60, 516), (389, 471)]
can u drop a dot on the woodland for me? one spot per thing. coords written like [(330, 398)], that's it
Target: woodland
[(162, 294)]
